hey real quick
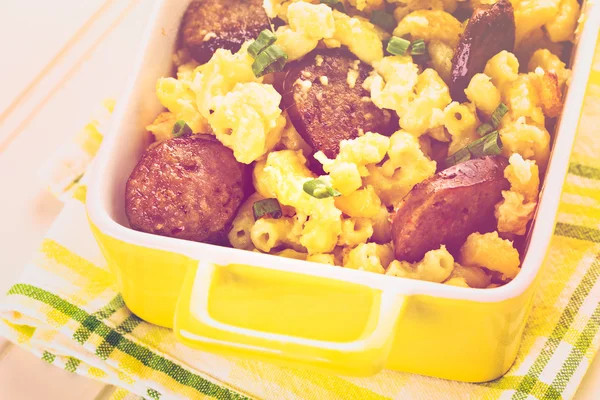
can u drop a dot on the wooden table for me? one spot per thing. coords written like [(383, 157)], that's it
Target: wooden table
[(59, 60)]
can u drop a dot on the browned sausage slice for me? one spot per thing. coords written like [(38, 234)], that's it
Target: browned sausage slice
[(209, 25), (189, 188), (490, 30), (448, 207), (324, 97)]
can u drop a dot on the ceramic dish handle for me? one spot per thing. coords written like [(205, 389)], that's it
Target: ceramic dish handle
[(289, 317)]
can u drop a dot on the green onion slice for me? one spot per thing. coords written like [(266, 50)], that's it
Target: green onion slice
[(267, 208), (498, 114), (181, 128), (484, 129), (335, 4), (418, 47), (384, 20), (489, 145), (397, 46), (460, 156), (264, 40), (271, 59), (320, 189)]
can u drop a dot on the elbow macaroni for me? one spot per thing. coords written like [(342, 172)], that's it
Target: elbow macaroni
[(313, 21), (430, 25), (361, 37), (240, 233), (461, 121), (407, 166), (503, 68), (370, 257), (491, 252), (472, 277), (425, 112), (248, 120), (436, 266), (530, 141), (517, 208), (363, 203), (355, 231), (482, 92), (284, 174)]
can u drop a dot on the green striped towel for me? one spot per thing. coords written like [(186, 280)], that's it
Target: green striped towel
[(66, 310)]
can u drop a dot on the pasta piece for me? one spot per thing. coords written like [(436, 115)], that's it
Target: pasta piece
[(472, 277), (513, 213), (363, 203), (322, 258), (461, 121), (361, 37), (482, 92), (248, 120), (162, 127), (491, 252), (430, 25), (240, 233), (562, 27), (530, 141), (371, 257), (382, 227), (436, 266), (355, 231), (503, 68)]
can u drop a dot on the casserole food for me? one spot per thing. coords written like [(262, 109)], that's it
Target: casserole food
[(224, 303)]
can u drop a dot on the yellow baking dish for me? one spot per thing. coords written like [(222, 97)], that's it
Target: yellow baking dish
[(300, 313)]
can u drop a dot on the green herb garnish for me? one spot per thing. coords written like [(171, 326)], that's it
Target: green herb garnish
[(181, 128), (271, 59), (264, 40), (267, 208), (418, 47), (498, 114), (320, 189), (489, 145), (397, 46), (484, 129)]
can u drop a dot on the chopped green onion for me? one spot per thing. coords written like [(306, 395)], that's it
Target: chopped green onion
[(271, 59), (484, 129), (418, 47), (384, 20), (421, 59), (180, 128), (489, 145), (335, 4), (267, 208), (320, 189), (460, 156), (498, 114), (397, 46), (264, 40)]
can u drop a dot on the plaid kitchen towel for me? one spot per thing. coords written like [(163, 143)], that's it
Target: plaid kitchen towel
[(67, 311)]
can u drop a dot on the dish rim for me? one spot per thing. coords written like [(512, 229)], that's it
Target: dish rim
[(541, 232)]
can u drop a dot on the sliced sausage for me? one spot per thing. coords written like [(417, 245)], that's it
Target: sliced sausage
[(490, 30), (448, 207), (209, 25), (327, 103), (188, 188)]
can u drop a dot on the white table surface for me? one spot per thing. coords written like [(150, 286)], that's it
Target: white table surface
[(59, 60)]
